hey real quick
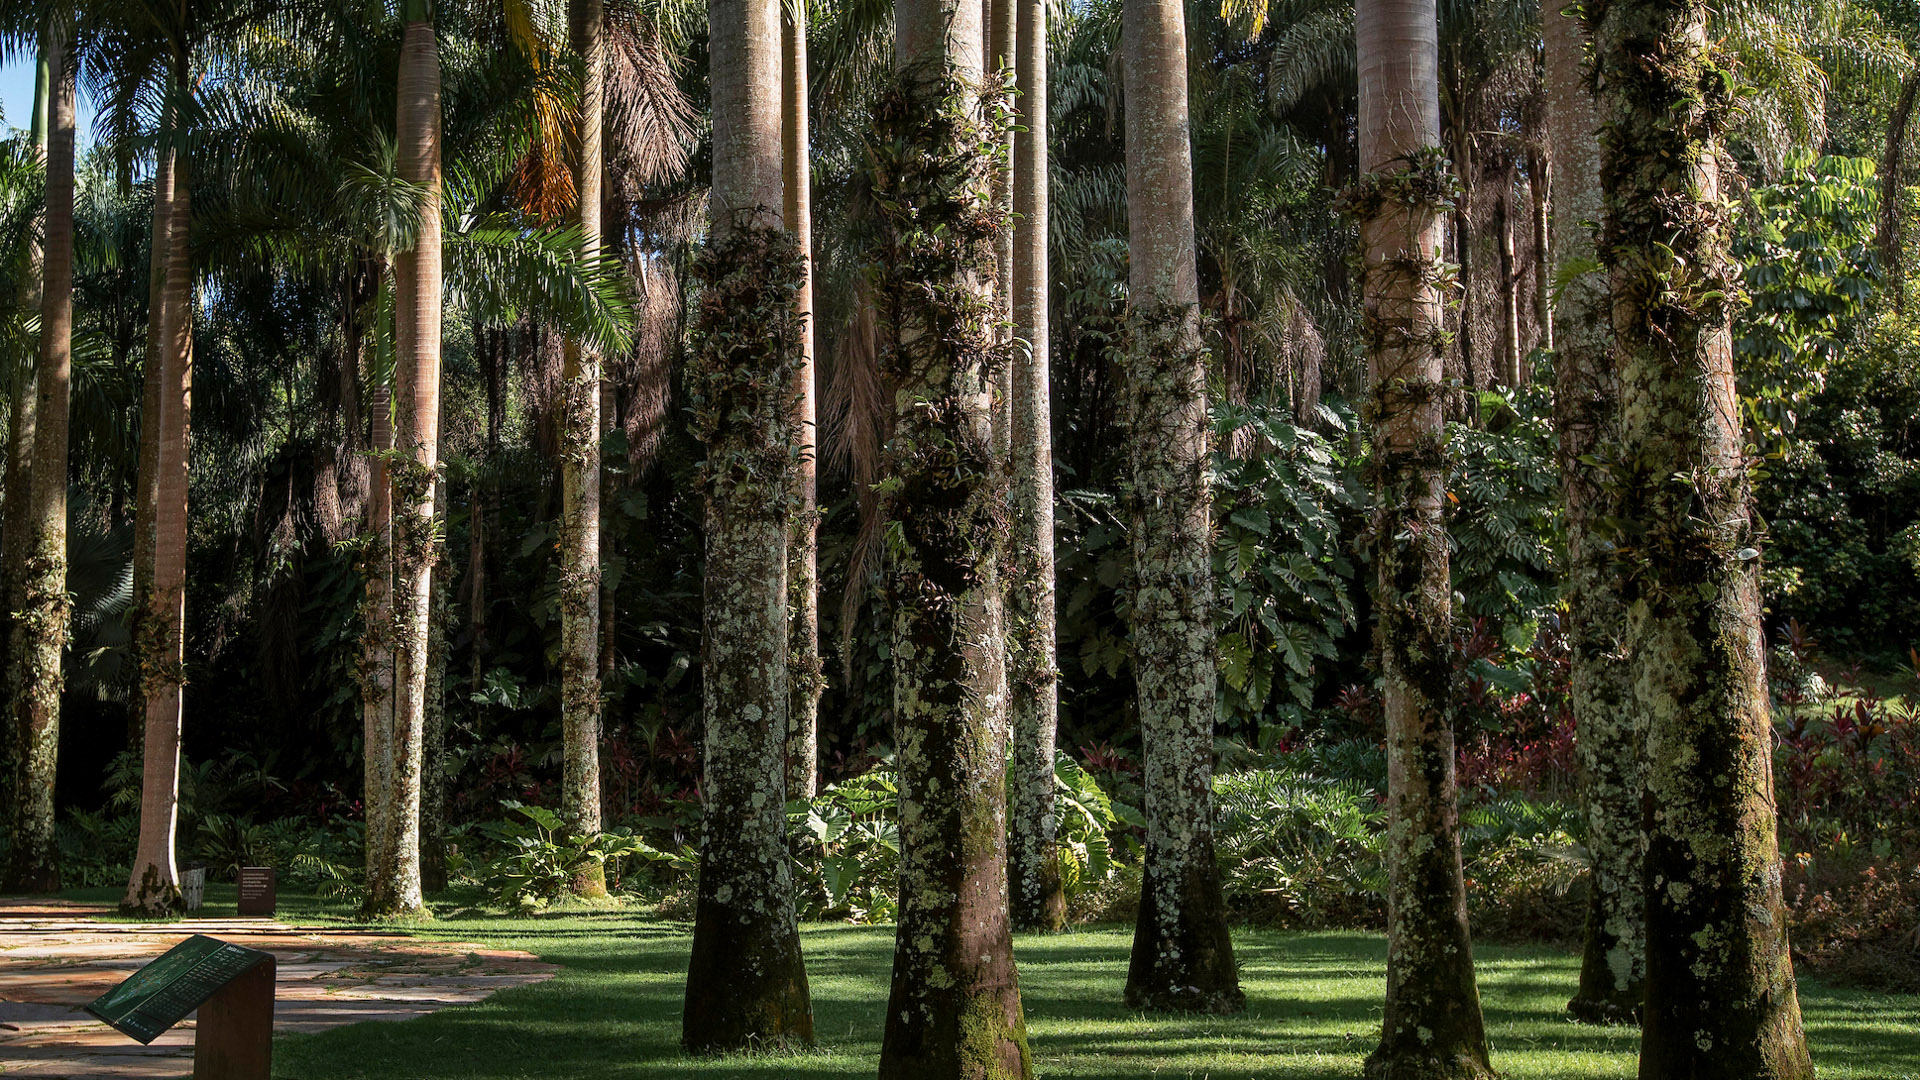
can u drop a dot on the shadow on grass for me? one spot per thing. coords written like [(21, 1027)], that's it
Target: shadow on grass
[(1314, 1012)]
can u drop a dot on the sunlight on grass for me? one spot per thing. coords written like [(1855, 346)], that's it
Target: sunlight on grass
[(1313, 1013)]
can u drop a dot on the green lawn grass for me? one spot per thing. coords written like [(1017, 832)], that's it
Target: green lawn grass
[(1313, 1011)]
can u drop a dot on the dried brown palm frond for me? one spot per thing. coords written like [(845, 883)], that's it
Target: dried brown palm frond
[(645, 374), (542, 182), (650, 123), (857, 419)]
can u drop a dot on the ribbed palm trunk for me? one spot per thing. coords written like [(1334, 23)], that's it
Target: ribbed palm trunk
[(805, 678), (1038, 900), (954, 1007), (412, 469), (40, 606), (1432, 1027), (746, 981), (1720, 1000), (580, 485), (1612, 740), (1182, 954), (159, 643)]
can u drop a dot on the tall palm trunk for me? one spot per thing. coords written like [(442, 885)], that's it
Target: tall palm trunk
[(1182, 955), (414, 463), (1432, 1025), (953, 1010), (805, 678), (16, 477), (1612, 740), (39, 603), (1720, 1000), (1038, 899), (746, 981), (160, 589), (580, 485), (376, 611)]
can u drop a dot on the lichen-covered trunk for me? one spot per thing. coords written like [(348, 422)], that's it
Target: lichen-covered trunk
[(580, 486), (16, 479), (805, 677), (746, 980), (434, 780), (374, 669), (1182, 954), (1038, 900), (1720, 999), (414, 465), (153, 885), (1611, 739), (40, 607), (953, 1010), (1432, 1027)]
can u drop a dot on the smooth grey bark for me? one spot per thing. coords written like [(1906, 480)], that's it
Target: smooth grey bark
[(1432, 1028), (1611, 738), (746, 980), (580, 483), (1182, 954), (953, 1009), (1038, 900), (1720, 998), (40, 606)]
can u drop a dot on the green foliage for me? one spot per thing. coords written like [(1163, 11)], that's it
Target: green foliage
[(1300, 849), (538, 859), (1842, 503), (846, 842), (1806, 243), (1504, 513), (1281, 566)]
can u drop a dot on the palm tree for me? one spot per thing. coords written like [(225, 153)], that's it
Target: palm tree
[(805, 679), (160, 533), (1432, 1026), (1038, 899), (746, 981), (1720, 998), (954, 1007), (395, 888), (1586, 405), (1182, 955), (580, 482), (39, 626)]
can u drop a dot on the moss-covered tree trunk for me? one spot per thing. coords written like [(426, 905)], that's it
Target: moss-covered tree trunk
[(16, 477), (1432, 1027), (1720, 999), (414, 464), (1182, 954), (434, 778), (374, 665), (1612, 741), (1038, 900), (746, 981), (953, 1010), (806, 679), (39, 606), (160, 616), (580, 484)]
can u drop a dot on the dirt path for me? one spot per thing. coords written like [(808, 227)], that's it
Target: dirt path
[(54, 958)]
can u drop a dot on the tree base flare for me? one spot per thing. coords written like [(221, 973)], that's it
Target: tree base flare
[(1426, 1067)]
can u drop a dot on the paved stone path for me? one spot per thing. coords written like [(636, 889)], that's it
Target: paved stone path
[(54, 959)]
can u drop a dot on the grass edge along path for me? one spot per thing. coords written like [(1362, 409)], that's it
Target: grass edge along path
[(1313, 1011)]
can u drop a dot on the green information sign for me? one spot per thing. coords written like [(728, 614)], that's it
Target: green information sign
[(161, 994)]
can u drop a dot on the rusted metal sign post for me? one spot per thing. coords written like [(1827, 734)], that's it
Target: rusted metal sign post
[(231, 985)]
